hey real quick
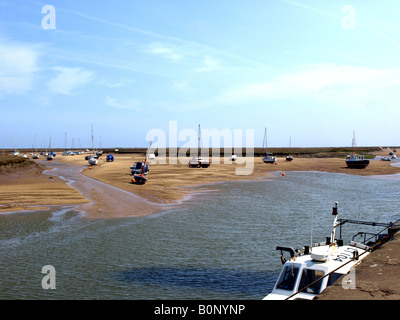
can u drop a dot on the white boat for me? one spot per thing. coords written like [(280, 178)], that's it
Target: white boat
[(93, 160), (306, 274), (289, 157), (199, 161)]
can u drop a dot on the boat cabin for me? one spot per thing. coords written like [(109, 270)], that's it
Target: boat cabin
[(138, 166), (297, 279)]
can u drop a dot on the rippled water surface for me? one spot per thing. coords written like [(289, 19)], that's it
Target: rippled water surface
[(219, 244)]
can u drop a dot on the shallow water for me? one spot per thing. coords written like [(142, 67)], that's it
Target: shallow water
[(219, 244)]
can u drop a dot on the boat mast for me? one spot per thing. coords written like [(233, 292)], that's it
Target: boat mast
[(334, 213), (92, 140), (354, 146), (265, 149), (199, 141)]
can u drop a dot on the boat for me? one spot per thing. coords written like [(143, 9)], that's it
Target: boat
[(199, 161), (138, 166), (141, 170), (16, 152), (50, 156), (68, 152), (354, 160), (268, 157), (289, 157), (93, 159), (309, 272)]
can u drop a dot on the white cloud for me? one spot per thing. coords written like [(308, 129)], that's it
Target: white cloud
[(326, 82), (209, 64), (167, 51), (69, 79), (18, 64), (131, 104), (325, 85)]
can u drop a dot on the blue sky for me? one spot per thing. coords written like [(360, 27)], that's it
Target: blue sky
[(313, 70)]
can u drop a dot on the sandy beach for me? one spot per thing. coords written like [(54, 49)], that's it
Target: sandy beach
[(30, 189), (169, 183)]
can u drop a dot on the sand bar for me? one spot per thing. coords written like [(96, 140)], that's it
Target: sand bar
[(168, 183), (29, 189)]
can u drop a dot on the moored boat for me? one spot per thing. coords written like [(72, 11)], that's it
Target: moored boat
[(93, 159), (199, 161), (268, 157), (354, 160), (289, 157), (307, 273), (141, 169)]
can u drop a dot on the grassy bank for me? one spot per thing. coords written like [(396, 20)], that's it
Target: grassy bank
[(14, 161)]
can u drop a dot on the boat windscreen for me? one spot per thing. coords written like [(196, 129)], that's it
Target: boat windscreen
[(288, 278), (309, 276)]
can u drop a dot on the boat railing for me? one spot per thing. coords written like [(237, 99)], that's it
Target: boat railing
[(373, 236)]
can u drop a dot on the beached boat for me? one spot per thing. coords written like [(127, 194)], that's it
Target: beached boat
[(289, 157), (268, 157), (199, 161), (50, 155), (141, 170), (356, 161), (138, 167), (307, 273), (93, 159)]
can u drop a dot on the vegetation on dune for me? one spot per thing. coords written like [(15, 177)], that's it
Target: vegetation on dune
[(14, 161)]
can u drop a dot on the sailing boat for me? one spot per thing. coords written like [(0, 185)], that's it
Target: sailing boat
[(50, 154), (289, 157), (35, 155), (16, 152), (354, 160), (199, 161), (93, 160), (269, 157), (141, 177)]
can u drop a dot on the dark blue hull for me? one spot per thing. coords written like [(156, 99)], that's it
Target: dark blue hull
[(140, 179)]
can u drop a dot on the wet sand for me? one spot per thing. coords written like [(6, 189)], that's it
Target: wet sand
[(168, 184), (29, 189)]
